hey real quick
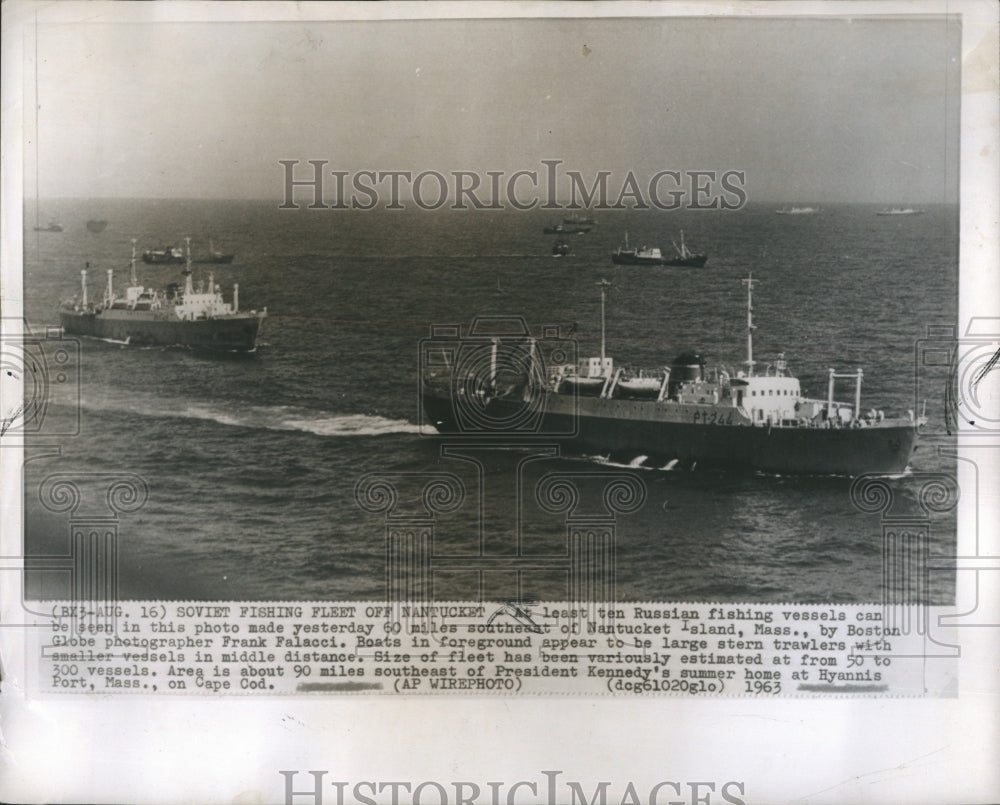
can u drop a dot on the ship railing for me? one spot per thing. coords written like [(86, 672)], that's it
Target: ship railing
[(632, 372), (826, 421), (720, 374), (772, 421), (779, 368)]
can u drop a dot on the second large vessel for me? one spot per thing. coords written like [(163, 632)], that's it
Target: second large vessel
[(190, 316), (684, 414)]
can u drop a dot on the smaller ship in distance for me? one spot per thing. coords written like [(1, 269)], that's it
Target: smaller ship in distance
[(797, 211), (560, 248), (567, 229), (580, 220), (96, 226), (652, 256), (165, 255), (52, 226), (685, 257), (216, 257), (900, 211), (631, 256)]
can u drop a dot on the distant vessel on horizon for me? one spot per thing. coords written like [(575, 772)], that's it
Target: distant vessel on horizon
[(567, 229), (685, 257), (900, 211), (218, 258), (52, 226), (797, 211), (652, 256), (631, 256), (580, 220), (96, 226), (165, 255)]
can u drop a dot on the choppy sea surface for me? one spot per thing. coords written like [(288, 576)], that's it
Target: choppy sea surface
[(252, 462)]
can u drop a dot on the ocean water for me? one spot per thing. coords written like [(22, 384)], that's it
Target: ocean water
[(252, 462)]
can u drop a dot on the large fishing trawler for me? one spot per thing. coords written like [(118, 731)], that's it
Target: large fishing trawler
[(196, 317), (682, 415)]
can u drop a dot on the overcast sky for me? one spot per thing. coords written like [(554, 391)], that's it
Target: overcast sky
[(811, 109)]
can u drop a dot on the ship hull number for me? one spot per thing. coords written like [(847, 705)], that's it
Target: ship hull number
[(712, 418)]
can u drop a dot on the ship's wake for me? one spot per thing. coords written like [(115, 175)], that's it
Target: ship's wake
[(265, 417), (638, 462), (661, 463)]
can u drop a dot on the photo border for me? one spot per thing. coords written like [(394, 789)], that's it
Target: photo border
[(172, 749)]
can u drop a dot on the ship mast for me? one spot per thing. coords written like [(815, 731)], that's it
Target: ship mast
[(604, 285), (188, 287), (749, 362), (132, 264)]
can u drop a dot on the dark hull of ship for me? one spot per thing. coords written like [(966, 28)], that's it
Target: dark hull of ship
[(694, 261), (635, 260), (160, 259), (236, 333), (628, 429), (216, 259)]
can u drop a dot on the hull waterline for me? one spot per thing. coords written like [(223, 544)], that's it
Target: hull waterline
[(233, 334), (634, 427)]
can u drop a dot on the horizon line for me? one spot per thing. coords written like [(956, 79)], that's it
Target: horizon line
[(564, 204)]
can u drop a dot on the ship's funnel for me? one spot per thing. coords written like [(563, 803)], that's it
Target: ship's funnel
[(687, 367), (236, 297), (83, 283)]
